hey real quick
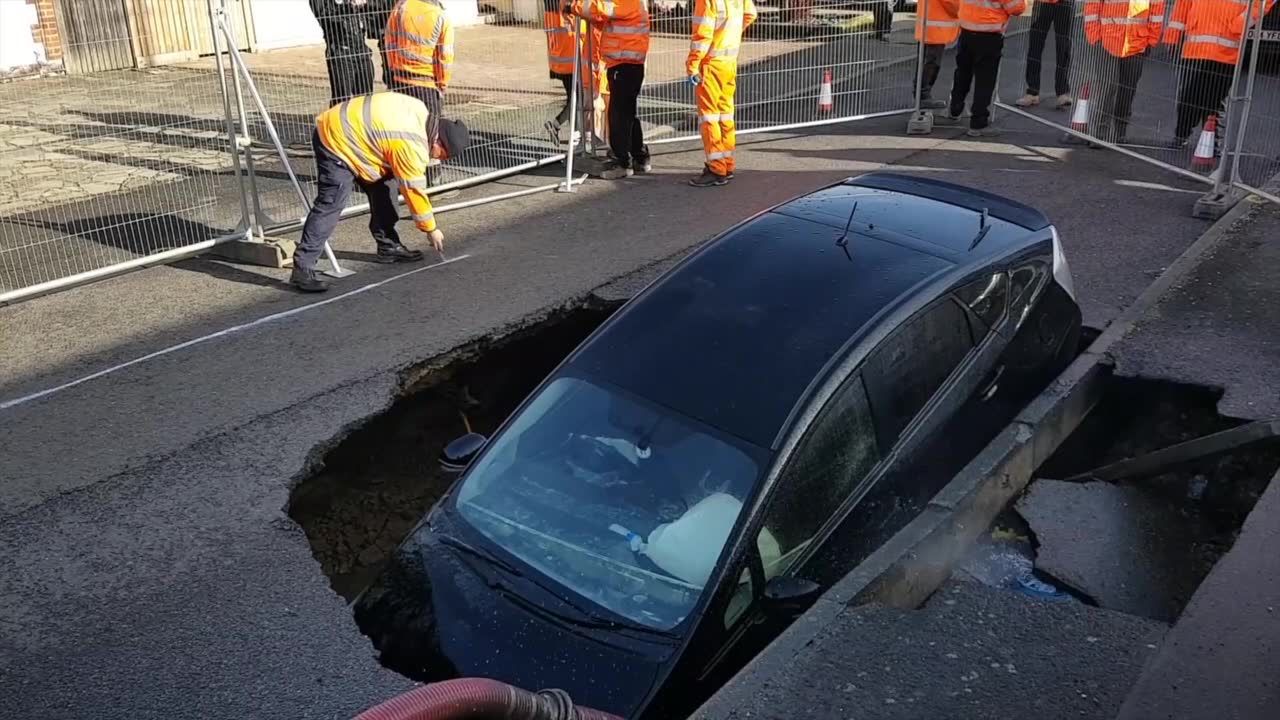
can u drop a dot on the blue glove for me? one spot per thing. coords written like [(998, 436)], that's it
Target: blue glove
[(695, 79)]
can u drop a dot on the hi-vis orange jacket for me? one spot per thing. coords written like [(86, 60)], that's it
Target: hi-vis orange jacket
[(559, 29), (1214, 28), (383, 134), (419, 40), (1125, 27), (943, 24), (989, 16), (717, 32), (624, 28)]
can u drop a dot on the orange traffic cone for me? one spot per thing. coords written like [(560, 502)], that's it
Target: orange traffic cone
[(825, 100), (1080, 118), (1202, 159)]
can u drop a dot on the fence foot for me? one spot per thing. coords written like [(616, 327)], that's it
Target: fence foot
[(272, 252), (1214, 204), (920, 123)]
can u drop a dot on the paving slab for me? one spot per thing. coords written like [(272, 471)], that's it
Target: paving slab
[(1122, 546), (971, 652), (1220, 327)]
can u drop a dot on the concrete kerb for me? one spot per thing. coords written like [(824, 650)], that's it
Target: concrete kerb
[(914, 562)]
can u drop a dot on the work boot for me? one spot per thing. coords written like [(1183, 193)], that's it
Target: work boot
[(642, 163), (616, 171), (553, 131), (709, 179), (398, 254), (1027, 100), (307, 281), (1063, 102)]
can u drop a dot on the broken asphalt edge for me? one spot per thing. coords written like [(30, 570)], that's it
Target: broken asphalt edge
[(919, 558)]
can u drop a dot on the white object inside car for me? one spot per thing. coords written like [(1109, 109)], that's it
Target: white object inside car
[(689, 546)]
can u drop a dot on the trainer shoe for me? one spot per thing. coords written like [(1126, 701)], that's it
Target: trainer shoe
[(947, 118), (931, 104), (987, 131), (709, 179), (307, 281), (1027, 100), (398, 254), (1063, 102), (615, 171)]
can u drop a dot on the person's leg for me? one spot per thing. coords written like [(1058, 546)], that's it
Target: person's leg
[(1130, 74), (1063, 18), (986, 68), (1041, 20), (333, 186), (707, 98), (883, 14), (639, 151), (383, 213), (567, 82), (929, 72), (963, 76), (624, 83), (728, 126), (1190, 110)]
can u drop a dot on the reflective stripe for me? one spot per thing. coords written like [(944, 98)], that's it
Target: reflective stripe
[(408, 36), (942, 23), (720, 155), (1011, 6), (553, 31), (1124, 21), (724, 52), (700, 46), (714, 117), (1155, 18), (561, 58), (415, 183), (627, 29), (993, 4), (1090, 18), (425, 218), (435, 34), (624, 55), (446, 49), (607, 9), (405, 135), (349, 133), (1213, 40), (1176, 25), (406, 54), (703, 20), (982, 27)]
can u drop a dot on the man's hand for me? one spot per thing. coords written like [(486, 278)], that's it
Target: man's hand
[(695, 79), (437, 240)]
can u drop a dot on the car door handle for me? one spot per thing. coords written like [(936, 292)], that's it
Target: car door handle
[(990, 390)]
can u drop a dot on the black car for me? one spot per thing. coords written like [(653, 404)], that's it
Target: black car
[(733, 440)]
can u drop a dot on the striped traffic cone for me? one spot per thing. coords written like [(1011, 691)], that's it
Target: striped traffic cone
[(1203, 159), (1080, 118)]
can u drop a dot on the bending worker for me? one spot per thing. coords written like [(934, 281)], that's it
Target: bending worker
[(624, 44), (712, 67), (371, 141)]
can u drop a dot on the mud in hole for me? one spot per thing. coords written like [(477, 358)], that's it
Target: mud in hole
[(1180, 519), (382, 477)]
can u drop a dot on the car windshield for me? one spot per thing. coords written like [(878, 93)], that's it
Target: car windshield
[(623, 502)]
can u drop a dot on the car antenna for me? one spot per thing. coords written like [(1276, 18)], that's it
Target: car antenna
[(843, 242), (983, 229)]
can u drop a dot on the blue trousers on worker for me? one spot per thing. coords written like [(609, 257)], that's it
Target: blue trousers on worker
[(333, 188)]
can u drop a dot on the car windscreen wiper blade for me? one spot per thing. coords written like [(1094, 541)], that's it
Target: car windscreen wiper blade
[(984, 227), (476, 552)]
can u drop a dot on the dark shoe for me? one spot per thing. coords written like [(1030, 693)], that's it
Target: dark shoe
[(947, 118), (615, 171), (398, 254), (642, 164), (307, 281), (709, 179), (553, 131), (987, 131), (931, 104)]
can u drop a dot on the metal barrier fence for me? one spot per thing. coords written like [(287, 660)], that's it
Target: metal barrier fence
[(1132, 89), (109, 170)]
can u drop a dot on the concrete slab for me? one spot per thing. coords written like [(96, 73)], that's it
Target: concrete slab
[(1126, 548), (970, 652), (1220, 660), (1220, 327)]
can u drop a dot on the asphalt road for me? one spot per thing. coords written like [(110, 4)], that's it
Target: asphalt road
[(148, 562)]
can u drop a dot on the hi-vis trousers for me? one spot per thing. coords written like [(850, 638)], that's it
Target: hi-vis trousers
[(715, 113)]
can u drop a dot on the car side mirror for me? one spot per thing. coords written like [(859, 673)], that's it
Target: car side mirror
[(789, 596), (457, 455)]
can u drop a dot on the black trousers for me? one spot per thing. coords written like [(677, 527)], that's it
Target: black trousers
[(567, 82), (977, 63), (626, 138), (1059, 17), (882, 12), (932, 67), (1204, 90), (1117, 82), (346, 56), (333, 187)]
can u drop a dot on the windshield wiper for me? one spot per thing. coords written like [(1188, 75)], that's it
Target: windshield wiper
[(485, 555), (984, 227)]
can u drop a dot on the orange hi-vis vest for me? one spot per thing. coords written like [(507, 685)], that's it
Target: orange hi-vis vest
[(717, 32), (989, 16), (624, 29), (939, 22), (1213, 29), (419, 41), (1125, 27), (559, 29), (380, 135)]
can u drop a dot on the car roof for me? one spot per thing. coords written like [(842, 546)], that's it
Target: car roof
[(734, 335)]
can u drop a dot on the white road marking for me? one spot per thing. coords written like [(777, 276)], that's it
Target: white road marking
[(15, 402)]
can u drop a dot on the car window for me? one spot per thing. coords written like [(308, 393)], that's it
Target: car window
[(987, 299), (622, 502), (831, 460), (904, 371)]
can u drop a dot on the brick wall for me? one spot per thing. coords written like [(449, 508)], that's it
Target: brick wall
[(45, 31)]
